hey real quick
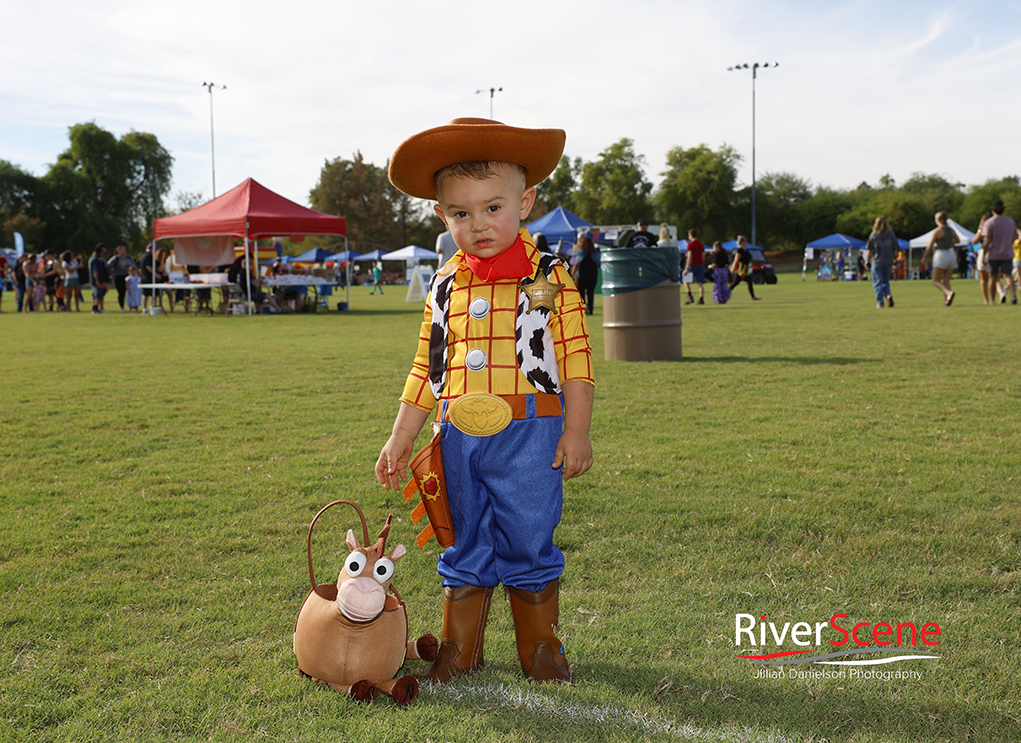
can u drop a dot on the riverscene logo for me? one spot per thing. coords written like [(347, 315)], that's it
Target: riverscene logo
[(837, 643)]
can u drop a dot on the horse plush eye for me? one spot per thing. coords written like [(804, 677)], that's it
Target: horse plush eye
[(355, 564), (383, 570)]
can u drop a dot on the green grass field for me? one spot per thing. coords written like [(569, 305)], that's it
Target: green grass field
[(810, 456)]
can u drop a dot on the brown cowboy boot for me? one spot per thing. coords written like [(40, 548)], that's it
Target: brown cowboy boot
[(535, 616), (465, 611)]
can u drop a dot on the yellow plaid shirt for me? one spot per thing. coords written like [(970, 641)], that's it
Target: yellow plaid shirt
[(495, 335)]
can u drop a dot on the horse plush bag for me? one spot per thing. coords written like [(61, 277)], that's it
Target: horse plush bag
[(353, 634)]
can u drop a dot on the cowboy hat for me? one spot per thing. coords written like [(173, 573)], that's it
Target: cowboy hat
[(417, 159)]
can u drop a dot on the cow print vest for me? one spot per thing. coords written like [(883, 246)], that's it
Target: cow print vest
[(537, 357)]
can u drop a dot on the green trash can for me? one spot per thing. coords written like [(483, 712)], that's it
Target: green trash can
[(641, 304)]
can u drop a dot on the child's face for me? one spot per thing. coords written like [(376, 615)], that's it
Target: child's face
[(484, 216)]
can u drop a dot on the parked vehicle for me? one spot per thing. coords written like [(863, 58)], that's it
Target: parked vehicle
[(762, 271)]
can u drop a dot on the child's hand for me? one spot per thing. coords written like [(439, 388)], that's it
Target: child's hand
[(392, 465), (574, 451)]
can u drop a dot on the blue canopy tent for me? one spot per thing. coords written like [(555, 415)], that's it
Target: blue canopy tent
[(732, 244), (836, 241), (559, 224), (375, 255), (315, 255), (344, 256)]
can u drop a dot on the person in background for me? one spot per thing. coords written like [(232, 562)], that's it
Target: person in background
[(695, 262), (39, 284), (860, 267), (741, 268), (985, 278), (120, 266), (377, 278), (585, 271), (541, 243), (1017, 257), (71, 281), (50, 272), (83, 276), (18, 274), (642, 238), (28, 267), (1000, 231), (879, 251), (445, 246), (721, 282), (134, 289), (4, 270), (665, 241), (99, 276), (248, 286), (941, 247)]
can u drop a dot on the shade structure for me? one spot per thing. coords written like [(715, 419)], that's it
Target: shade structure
[(375, 255), (558, 224), (315, 255), (411, 253), (249, 211), (964, 235), (836, 241), (731, 244), (343, 256)]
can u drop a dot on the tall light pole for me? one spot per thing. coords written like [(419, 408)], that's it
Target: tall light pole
[(753, 67), (492, 92), (212, 144)]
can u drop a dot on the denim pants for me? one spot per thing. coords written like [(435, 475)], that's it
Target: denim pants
[(881, 281), (506, 501)]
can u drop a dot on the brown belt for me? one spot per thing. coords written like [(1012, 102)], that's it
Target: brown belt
[(546, 406)]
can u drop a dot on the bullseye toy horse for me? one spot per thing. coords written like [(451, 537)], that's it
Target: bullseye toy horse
[(353, 635)]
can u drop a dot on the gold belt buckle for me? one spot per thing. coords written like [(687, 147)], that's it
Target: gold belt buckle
[(479, 414)]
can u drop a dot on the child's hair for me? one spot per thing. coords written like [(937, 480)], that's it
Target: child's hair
[(476, 170), (133, 270)]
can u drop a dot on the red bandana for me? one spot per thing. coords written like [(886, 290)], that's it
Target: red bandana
[(512, 263)]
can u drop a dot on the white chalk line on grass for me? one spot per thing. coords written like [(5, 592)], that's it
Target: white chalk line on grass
[(533, 701)]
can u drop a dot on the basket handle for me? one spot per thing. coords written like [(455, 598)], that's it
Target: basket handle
[(365, 533)]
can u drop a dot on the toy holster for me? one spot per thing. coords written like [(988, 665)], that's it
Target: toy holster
[(427, 479)]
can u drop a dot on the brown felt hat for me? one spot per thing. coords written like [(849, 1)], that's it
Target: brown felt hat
[(417, 159)]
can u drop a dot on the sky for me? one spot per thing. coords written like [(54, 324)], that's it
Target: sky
[(862, 89)]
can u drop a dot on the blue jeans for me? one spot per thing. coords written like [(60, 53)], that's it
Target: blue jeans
[(881, 281), (505, 500)]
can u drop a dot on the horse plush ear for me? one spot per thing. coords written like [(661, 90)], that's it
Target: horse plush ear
[(352, 542), (399, 552)]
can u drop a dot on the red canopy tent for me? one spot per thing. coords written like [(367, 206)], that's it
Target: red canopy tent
[(249, 211)]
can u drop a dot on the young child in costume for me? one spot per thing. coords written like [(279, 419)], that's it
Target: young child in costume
[(504, 339)]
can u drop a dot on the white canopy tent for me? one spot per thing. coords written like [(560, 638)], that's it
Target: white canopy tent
[(964, 236)]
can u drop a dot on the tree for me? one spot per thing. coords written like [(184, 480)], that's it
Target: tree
[(979, 198), (698, 190), (375, 210), (613, 188), (559, 188), (102, 189), (938, 194), (818, 215), (906, 212), (779, 222)]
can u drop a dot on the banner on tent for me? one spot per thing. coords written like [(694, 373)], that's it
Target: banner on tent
[(214, 250)]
